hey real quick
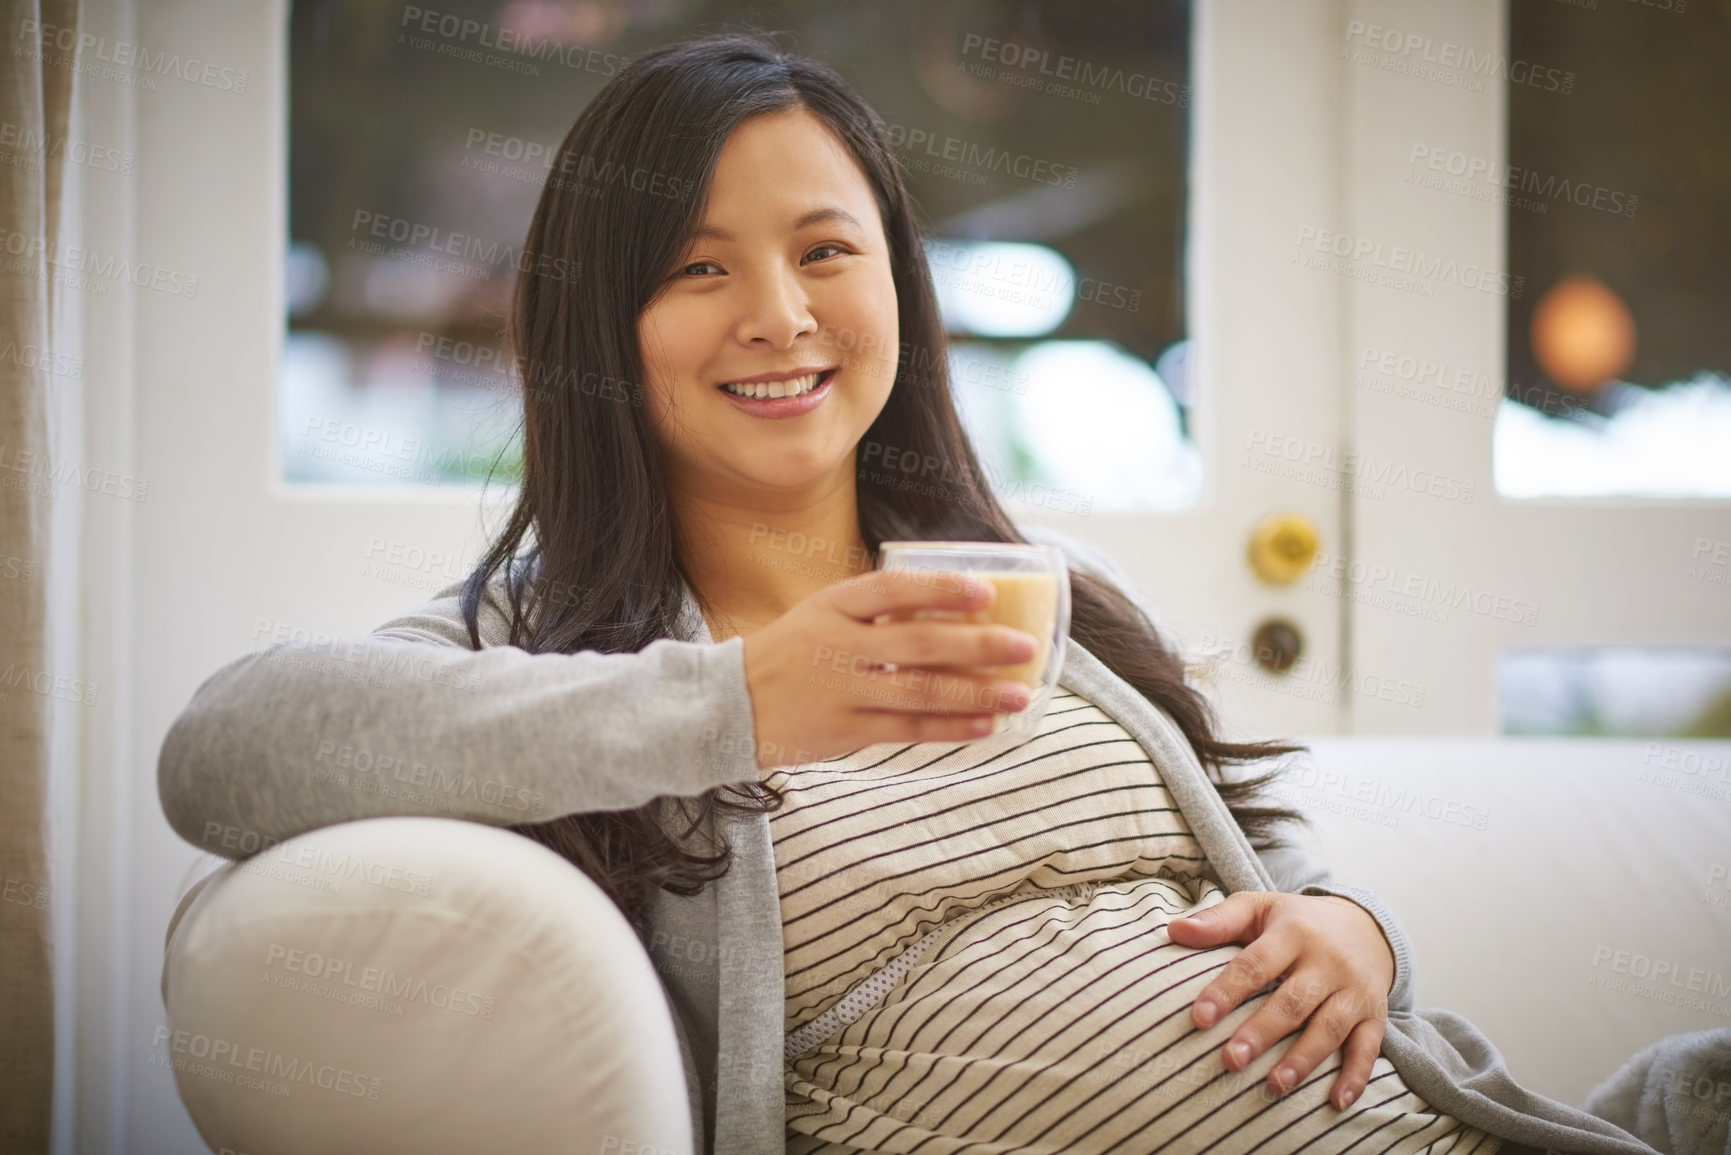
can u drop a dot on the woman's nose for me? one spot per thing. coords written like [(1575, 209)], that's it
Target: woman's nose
[(776, 309)]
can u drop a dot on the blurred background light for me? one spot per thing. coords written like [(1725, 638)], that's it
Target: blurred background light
[(1657, 443), (1099, 421), (1001, 288), (1583, 335)]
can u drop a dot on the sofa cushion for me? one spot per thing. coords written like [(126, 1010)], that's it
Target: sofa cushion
[(416, 985)]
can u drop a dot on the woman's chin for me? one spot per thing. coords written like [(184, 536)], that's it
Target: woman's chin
[(806, 475)]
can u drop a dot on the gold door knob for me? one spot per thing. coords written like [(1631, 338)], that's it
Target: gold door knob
[(1282, 547)]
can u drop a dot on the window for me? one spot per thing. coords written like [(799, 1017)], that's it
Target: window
[(1626, 691), (1045, 143), (1618, 194)]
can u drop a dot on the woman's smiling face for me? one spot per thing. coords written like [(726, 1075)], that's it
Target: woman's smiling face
[(789, 276)]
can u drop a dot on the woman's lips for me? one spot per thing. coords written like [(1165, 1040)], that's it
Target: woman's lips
[(775, 407)]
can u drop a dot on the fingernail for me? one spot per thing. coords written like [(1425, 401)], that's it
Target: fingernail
[(1346, 1099), (1239, 1053), (1283, 1079), (1205, 1012)]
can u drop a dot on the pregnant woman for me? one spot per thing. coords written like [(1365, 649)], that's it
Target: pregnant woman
[(927, 937)]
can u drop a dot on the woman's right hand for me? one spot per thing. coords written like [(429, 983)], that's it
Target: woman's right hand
[(817, 675)]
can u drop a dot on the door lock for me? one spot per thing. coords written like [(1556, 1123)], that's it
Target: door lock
[(1277, 644)]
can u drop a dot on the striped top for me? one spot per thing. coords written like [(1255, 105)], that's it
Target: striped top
[(976, 960)]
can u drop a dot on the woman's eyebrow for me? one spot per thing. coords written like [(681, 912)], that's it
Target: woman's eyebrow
[(815, 216)]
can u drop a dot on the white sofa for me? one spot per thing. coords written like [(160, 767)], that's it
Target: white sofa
[(1572, 898)]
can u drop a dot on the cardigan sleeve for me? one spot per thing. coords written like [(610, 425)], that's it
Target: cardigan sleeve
[(1296, 871), (412, 720)]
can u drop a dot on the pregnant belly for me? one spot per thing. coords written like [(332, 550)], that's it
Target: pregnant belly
[(1061, 1023)]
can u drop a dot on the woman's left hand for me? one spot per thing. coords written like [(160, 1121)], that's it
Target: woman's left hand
[(1336, 970)]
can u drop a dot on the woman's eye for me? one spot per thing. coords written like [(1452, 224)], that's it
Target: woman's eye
[(695, 268)]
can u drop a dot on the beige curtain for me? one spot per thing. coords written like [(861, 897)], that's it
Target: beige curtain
[(35, 105)]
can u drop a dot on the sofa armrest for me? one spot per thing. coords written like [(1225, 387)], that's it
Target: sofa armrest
[(416, 985)]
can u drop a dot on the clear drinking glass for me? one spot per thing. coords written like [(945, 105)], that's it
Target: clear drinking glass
[(1033, 584)]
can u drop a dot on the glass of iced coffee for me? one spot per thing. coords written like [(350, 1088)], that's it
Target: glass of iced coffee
[(1033, 594)]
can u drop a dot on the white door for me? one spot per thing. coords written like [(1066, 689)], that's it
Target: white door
[(1266, 331)]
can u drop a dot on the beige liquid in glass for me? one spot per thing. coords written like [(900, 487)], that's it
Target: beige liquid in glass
[(1025, 601)]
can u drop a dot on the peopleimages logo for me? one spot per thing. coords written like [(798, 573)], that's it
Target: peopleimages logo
[(28, 143), (1359, 574), (1309, 677), (469, 250), (1396, 265), (459, 32), (89, 52), (1392, 798), (981, 158), (1037, 68), (1450, 63), (1330, 466), (365, 768), (1473, 170), (379, 981), (1659, 970), (89, 263), (224, 1058)]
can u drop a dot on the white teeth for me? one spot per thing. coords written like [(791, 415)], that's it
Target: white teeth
[(761, 391)]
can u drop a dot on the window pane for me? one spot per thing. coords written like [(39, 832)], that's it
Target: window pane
[(1657, 692), (417, 153), (1618, 187)]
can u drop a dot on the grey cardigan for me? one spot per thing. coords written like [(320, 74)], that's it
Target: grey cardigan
[(593, 731)]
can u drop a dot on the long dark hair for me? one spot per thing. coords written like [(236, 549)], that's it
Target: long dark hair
[(603, 571)]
